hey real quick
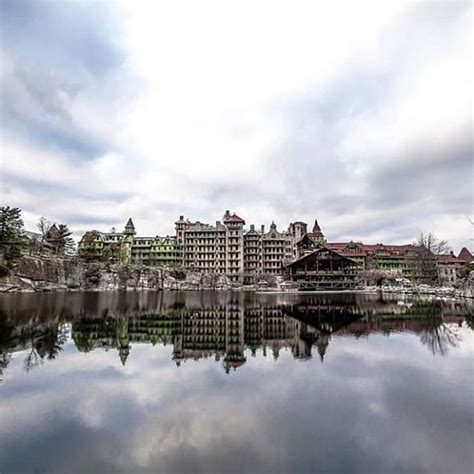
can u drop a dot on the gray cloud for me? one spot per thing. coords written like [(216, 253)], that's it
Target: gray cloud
[(78, 37), (344, 153), (57, 56), (434, 171), (323, 415)]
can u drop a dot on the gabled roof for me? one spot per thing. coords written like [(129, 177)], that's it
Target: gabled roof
[(449, 258), (53, 228), (129, 223), (234, 218), (345, 248), (305, 238), (465, 255), (320, 249)]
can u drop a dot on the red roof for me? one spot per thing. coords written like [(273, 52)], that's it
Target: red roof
[(346, 248), (465, 255), (449, 258), (234, 218), (316, 230)]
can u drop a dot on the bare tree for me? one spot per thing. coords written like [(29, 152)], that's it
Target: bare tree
[(432, 243), (43, 226), (439, 336), (424, 258)]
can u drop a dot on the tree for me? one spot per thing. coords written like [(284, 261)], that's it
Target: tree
[(66, 244), (432, 243), (112, 253), (425, 252), (87, 249), (43, 226), (11, 233), (59, 236), (4, 361), (437, 335)]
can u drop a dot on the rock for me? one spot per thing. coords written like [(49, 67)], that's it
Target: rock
[(49, 273), (169, 283), (193, 279), (222, 282)]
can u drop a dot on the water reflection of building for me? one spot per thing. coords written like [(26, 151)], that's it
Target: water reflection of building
[(226, 331), (230, 328), (223, 332)]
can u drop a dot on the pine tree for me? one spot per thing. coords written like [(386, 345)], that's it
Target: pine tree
[(64, 242), (11, 233)]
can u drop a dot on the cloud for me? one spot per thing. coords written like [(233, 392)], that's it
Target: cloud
[(151, 415), (363, 120)]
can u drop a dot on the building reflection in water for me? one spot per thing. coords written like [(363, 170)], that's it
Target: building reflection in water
[(225, 326)]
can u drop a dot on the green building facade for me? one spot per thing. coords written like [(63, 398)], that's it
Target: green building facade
[(127, 248)]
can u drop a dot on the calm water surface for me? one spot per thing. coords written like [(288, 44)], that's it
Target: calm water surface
[(222, 382)]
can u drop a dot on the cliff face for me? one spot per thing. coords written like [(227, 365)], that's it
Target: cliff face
[(48, 273), (35, 273)]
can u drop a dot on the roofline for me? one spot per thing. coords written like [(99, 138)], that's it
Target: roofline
[(318, 250)]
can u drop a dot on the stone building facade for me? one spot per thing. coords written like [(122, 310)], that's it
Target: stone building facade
[(227, 248), (451, 267), (212, 249), (246, 256), (126, 247)]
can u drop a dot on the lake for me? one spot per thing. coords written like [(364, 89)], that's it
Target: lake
[(206, 382)]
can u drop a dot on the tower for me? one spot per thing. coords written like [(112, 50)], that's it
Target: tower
[(129, 228), (297, 230), (317, 235), (127, 242)]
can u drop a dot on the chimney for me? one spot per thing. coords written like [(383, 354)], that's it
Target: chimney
[(218, 223), (227, 214), (262, 229), (252, 227)]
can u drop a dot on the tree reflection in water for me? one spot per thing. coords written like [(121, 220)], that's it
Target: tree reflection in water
[(221, 326), (438, 335)]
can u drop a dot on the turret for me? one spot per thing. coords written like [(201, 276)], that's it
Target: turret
[(129, 228)]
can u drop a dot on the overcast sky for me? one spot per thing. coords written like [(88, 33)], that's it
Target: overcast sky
[(357, 113)]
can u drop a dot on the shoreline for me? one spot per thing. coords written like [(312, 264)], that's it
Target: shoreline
[(436, 292)]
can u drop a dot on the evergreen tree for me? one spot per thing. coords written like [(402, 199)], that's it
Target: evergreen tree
[(87, 250), (11, 233), (64, 242)]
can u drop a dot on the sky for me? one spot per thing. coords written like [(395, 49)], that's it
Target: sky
[(358, 114)]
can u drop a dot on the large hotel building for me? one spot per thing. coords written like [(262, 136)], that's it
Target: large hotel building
[(244, 255), (224, 248), (229, 249)]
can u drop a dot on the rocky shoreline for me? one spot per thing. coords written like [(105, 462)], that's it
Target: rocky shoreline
[(48, 274)]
